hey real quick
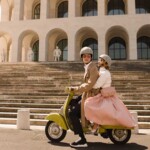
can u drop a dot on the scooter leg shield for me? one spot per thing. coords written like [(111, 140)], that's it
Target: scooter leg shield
[(57, 118)]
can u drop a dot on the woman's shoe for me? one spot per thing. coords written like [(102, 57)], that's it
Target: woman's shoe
[(95, 129)]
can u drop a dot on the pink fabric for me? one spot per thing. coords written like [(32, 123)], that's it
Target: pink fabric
[(107, 109)]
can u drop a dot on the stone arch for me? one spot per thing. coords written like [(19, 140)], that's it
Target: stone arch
[(124, 1), (26, 40), (142, 6), (53, 8), (89, 8), (28, 9), (34, 5), (81, 35), (65, 14), (52, 39), (78, 7), (5, 44), (144, 30), (143, 38), (117, 31)]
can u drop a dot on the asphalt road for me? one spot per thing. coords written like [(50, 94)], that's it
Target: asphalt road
[(13, 139)]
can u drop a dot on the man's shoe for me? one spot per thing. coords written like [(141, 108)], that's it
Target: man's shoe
[(79, 143)]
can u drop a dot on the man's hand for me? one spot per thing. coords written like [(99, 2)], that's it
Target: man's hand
[(71, 89)]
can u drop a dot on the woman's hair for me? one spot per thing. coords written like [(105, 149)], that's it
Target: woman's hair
[(106, 65)]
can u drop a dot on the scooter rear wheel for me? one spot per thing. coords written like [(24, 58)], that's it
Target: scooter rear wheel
[(119, 136), (54, 132)]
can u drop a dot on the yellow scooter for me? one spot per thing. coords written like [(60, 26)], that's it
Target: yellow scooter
[(58, 124)]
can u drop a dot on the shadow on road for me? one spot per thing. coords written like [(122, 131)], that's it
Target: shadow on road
[(106, 146)]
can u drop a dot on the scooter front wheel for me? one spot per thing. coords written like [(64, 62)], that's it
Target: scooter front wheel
[(119, 136), (54, 132)]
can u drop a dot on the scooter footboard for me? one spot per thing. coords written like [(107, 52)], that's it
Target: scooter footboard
[(57, 118), (104, 128), (115, 127)]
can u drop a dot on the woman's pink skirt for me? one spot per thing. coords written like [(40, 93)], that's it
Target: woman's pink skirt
[(107, 109)]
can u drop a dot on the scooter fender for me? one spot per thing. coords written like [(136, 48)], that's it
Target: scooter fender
[(57, 118)]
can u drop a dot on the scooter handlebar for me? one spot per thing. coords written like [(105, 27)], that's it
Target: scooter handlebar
[(69, 89)]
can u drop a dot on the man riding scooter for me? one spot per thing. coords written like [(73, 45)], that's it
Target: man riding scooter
[(77, 109), (72, 115)]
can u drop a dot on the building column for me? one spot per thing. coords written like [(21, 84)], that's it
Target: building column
[(102, 48), (14, 52), (71, 46), (71, 33), (132, 46), (101, 7), (43, 13), (18, 10), (71, 8), (5, 11), (131, 7), (42, 48)]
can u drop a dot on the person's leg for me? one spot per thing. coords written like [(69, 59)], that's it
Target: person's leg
[(95, 129), (75, 115)]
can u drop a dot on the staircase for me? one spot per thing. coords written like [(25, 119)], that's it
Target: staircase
[(39, 87)]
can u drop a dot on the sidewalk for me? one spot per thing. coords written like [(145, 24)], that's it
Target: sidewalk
[(141, 131), (35, 139)]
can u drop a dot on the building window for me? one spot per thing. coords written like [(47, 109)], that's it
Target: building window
[(115, 7), (89, 8), (117, 49), (143, 47), (92, 43), (35, 49), (63, 46), (63, 10), (142, 6), (36, 12)]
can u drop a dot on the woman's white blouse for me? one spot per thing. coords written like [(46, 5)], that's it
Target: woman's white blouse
[(104, 79)]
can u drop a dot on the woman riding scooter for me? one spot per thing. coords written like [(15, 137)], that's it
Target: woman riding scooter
[(76, 111), (106, 108)]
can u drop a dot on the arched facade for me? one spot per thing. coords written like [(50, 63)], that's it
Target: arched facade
[(5, 46), (30, 9), (81, 36), (116, 7), (55, 38), (92, 42), (107, 26), (62, 10), (89, 8), (36, 11), (143, 42), (117, 43), (27, 42), (142, 6)]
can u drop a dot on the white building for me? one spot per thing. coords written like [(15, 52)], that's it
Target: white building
[(120, 28)]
